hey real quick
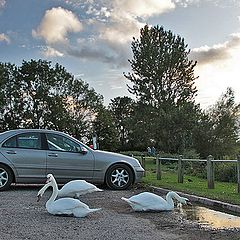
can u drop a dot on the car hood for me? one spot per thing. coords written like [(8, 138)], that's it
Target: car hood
[(119, 157)]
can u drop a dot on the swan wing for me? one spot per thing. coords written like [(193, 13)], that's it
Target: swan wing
[(65, 206), (70, 206), (148, 201), (76, 188), (135, 205)]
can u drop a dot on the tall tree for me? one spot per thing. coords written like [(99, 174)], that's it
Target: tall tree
[(105, 130), (218, 130), (162, 73), (11, 97), (42, 96), (122, 109), (163, 80)]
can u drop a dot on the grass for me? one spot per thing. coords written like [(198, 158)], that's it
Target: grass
[(223, 191)]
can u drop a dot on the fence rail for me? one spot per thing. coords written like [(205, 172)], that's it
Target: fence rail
[(180, 169)]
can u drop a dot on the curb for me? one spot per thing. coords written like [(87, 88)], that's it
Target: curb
[(205, 201)]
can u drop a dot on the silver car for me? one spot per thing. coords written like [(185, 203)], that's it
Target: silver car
[(28, 155)]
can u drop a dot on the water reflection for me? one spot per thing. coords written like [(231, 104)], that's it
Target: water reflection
[(210, 217)]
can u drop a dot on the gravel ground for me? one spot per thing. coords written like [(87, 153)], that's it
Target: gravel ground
[(22, 217)]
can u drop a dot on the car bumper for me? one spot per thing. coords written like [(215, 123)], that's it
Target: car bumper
[(139, 174)]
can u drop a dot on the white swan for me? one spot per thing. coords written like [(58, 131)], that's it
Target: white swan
[(147, 201), (66, 206), (74, 188)]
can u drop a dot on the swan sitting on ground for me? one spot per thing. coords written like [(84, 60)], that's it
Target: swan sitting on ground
[(74, 188), (147, 201), (64, 206)]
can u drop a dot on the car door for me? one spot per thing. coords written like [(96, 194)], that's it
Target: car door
[(26, 154), (65, 159)]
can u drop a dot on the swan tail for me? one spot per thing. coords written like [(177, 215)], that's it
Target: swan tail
[(96, 190), (129, 201), (126, 199), (135, 205), (95, 209)]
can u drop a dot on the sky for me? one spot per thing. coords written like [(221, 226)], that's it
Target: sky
[(92, 39)]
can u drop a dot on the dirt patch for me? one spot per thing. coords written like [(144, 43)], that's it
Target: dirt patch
[(22, 217)]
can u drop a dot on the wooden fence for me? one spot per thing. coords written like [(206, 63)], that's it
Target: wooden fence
[(180, 169)]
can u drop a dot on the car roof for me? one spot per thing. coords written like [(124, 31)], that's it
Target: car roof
[(10, 133)]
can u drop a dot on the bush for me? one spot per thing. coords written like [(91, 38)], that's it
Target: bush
[(226, 172)]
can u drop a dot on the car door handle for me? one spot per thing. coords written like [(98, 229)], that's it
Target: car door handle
[(10, 152), (52, 155)]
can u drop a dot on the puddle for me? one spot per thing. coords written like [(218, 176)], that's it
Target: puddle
[(211, 218)]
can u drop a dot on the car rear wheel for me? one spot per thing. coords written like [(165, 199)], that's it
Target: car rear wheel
[(119, 177), (6, 177)]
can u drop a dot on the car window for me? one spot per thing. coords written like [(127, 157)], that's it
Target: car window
[(24, 140), (29, 140), (11, 142), (60, 143)]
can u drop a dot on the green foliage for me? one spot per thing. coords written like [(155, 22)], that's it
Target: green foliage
[(122, 109), (42, 96), (163, 82), (223, 191), (105, 130), (226, 172), (12, 103), (162, 74), (217, 131)]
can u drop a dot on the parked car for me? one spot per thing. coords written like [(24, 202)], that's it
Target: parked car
[(28, 155)]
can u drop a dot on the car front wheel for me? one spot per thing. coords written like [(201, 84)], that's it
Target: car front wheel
[(119, 177), (6, 177)]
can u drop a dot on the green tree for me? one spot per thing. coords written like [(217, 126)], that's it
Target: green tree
[(42, 96), (11, 97), (122, 109), (217, 133), (163, 80), (105, 129)]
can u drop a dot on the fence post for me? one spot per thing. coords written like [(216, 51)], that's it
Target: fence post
[(180, 169), (210, 172), (238, 173), (143, 165), (158, 164)]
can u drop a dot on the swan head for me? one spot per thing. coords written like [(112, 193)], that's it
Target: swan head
[(50, 178), (184, 201), (49, 181), (181, 200)]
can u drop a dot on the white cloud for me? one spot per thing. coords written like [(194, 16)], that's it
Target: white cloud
[(111, 23), (218, 52), (217, 68), (2, 3), (220, 3), (121, 30), (124, 23), (56, 24), (4, 37), (51, 52), (215, 78), (143, 8)]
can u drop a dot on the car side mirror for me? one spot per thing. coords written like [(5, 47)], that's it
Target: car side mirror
[(83, 150)]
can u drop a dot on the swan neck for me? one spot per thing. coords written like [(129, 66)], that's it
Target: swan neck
[(169, 198), (174, 195), (54, 192)]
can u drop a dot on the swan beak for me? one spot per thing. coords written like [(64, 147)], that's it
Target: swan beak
[(188, 203), (38, 197)]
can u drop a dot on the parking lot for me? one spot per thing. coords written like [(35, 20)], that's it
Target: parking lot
[(22, 217)]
